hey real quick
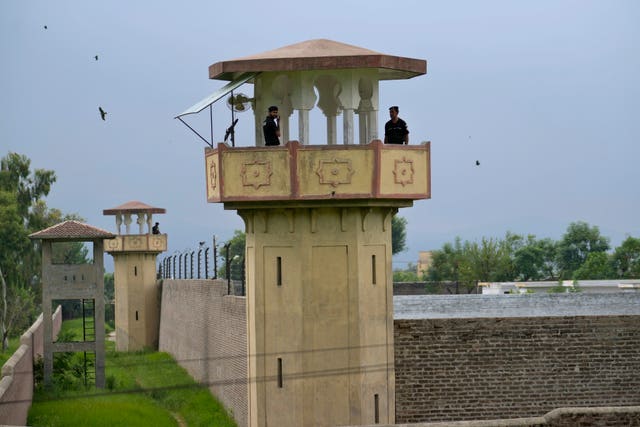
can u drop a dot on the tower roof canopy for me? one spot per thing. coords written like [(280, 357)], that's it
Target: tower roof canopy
[(133, 206), (72, 231), (320, 54)]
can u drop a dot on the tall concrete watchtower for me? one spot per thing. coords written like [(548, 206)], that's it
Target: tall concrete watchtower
[(137, 307), (318, 228)]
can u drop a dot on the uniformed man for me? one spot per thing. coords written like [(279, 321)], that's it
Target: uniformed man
[(271, 127), (396, 130)]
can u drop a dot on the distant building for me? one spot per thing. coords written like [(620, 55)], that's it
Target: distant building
[(591, 286), (424, 262)]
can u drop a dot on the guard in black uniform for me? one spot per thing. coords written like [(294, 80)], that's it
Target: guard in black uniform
[(271, 127), (396, 130)]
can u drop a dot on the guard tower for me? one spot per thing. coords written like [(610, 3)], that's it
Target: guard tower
[(137, 308), (83, 282), (318, 228)]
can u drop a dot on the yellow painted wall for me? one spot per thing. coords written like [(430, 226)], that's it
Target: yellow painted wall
[(325, 319), (137, 304)]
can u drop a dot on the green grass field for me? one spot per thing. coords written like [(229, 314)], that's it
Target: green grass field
[(143, 389)]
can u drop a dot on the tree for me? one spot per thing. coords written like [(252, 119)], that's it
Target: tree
[(597, 266), (398, 234), (26, 189), (451, 264), (535, 260), (408, 274), (18, 309), (626, 259), (575, 246), (236, 255)]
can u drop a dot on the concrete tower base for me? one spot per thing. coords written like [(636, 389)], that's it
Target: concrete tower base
[(320, 320)]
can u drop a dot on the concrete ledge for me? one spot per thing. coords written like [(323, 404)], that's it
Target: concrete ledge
[(546, 419), (522, 305), (9, 367), (5, 384)]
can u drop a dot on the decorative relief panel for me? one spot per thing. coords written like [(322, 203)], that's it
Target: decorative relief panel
[(403, 171), (213, 176), (257, 173), (157, 243), (335, 172), (134, 242), (114, 244)]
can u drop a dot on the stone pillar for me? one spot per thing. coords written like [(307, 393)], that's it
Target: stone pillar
[(328, 90), (127, 223), (303, 99), (347, 126)]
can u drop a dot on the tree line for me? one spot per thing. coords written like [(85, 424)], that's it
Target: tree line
[(581, 254)]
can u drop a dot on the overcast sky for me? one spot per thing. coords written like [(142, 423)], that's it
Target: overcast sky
[(545, 94)]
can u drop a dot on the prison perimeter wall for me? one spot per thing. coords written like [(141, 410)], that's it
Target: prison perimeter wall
[(540, 359), (495, 357), (16, 385), (204, 329)]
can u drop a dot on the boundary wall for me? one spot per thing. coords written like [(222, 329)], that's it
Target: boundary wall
[(460, 360), (205, 330), (489, 357), (16, 385)]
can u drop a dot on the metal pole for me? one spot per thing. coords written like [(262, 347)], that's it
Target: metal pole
[(175, 276), (215, 258), (192, 254), (228, 268), (206, 263), (242, 275), (185, 264), (211, 122), (180, 266), (199, 261)]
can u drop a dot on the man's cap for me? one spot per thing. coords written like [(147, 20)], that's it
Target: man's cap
[(394, 108), (273, 108)]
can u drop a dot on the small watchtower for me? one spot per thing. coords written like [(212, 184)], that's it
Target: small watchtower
[(84, 282), (137, 308)]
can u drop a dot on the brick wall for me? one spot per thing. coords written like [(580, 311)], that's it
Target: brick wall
[(205, 331), (16, 385), (492, 368)]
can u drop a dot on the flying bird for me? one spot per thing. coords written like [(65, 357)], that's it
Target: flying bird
[(477, 163), (96, 57), (103, 113), (45, 27)]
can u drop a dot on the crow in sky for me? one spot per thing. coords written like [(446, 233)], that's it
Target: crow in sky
[(103, 113), (96, 57), (45, 27), (477, 163)]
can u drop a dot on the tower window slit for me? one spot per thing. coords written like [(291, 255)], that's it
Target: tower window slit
[(135, 270), (373, 269), (376, 408), (279, 372), (279, 271), (136, 314)]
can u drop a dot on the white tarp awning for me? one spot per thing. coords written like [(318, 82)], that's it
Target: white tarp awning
[(217, 95)]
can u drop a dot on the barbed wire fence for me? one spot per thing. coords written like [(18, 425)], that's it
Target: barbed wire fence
[(203, 263)]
